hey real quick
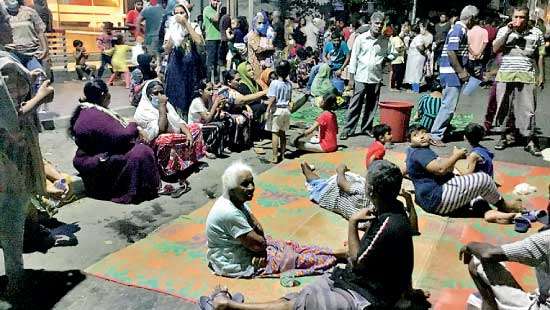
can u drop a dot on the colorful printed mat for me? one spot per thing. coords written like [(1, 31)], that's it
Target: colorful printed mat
[(172, 260)]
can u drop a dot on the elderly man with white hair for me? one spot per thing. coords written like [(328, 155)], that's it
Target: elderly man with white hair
[(379, 271), (370, 50), (452, 71), (238, 245)]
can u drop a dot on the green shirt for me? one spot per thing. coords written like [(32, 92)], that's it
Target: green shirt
[(210, 26)]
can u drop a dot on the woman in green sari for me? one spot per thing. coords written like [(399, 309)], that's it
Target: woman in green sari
[(322, 84), (249, 86)]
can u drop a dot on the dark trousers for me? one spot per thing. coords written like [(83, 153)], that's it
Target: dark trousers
[(105, 60), (363, 106), (212, 58), (398, 73)]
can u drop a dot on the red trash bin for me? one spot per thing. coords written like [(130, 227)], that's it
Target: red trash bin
[(396, 114)]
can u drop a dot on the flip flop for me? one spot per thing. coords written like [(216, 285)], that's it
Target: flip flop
[(521, 224), (184, 188), (534, 216)]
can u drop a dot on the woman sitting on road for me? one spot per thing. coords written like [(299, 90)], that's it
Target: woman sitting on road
[(112, 162), (238, 107), (238, 245), (177, 145)]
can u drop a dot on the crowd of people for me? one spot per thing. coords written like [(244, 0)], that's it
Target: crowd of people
[(217, 86)]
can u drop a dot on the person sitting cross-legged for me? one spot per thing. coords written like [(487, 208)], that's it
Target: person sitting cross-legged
[(496, 285), (380, 266)]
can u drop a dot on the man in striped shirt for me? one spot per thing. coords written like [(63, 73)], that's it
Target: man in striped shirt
[(496, 285), (522, 46), (452, 69)]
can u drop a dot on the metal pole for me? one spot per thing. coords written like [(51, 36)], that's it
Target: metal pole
[(413, 17), (250, 11)]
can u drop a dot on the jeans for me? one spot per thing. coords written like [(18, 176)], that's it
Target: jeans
[(105, 60), (312, 75), (451, 95), (212, 51)]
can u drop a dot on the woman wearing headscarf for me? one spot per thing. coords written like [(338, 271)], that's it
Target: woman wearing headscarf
[(311, 32), (260, 47), (183, 71), (113, 163), (140, 75), (266, 77), (177, 145), (249, 86), (322, 84)]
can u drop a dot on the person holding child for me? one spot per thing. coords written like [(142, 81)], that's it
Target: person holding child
[(278, 110), (439, 191), (377, 150), (327, 127)]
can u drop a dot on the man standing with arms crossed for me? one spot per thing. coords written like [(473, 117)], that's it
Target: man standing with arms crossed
[(522, 47)]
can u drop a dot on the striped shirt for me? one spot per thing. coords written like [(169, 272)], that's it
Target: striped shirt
[(520, 55), (534, 251), (428, 107), (457, 41), (345, 203)]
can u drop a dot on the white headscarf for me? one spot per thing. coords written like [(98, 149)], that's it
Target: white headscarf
[(175, 31), (147, 116)]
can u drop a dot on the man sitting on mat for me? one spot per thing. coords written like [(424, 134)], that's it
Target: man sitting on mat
[(496, 285), (380, 264), (344, 194), (238, 245)]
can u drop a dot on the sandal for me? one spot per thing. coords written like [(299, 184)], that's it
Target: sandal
[(521, 224), (184, 188), (167, 190), (534, 216)]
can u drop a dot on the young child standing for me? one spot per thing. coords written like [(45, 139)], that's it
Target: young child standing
[(278, 110), (428, 106), (328, 130), (104, 43), (377, 150), (83, 70), (119, 54)]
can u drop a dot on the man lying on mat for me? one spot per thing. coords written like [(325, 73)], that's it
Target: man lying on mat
[(238, 245), (378, 274), (344, 194)]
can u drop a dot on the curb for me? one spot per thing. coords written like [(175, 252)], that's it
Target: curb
[(63, 122)]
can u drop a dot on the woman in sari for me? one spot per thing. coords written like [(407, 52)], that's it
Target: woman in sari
[(322, 84), (112, 162), (177, 145), (260, 47), (22, 173), (238, 108), (183, 71), (144, 72), (238, 245)]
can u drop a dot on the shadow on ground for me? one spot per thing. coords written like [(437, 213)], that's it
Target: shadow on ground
[(42, 289)]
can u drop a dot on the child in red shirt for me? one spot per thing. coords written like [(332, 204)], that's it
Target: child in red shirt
[(328, 130), (376, 151)]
